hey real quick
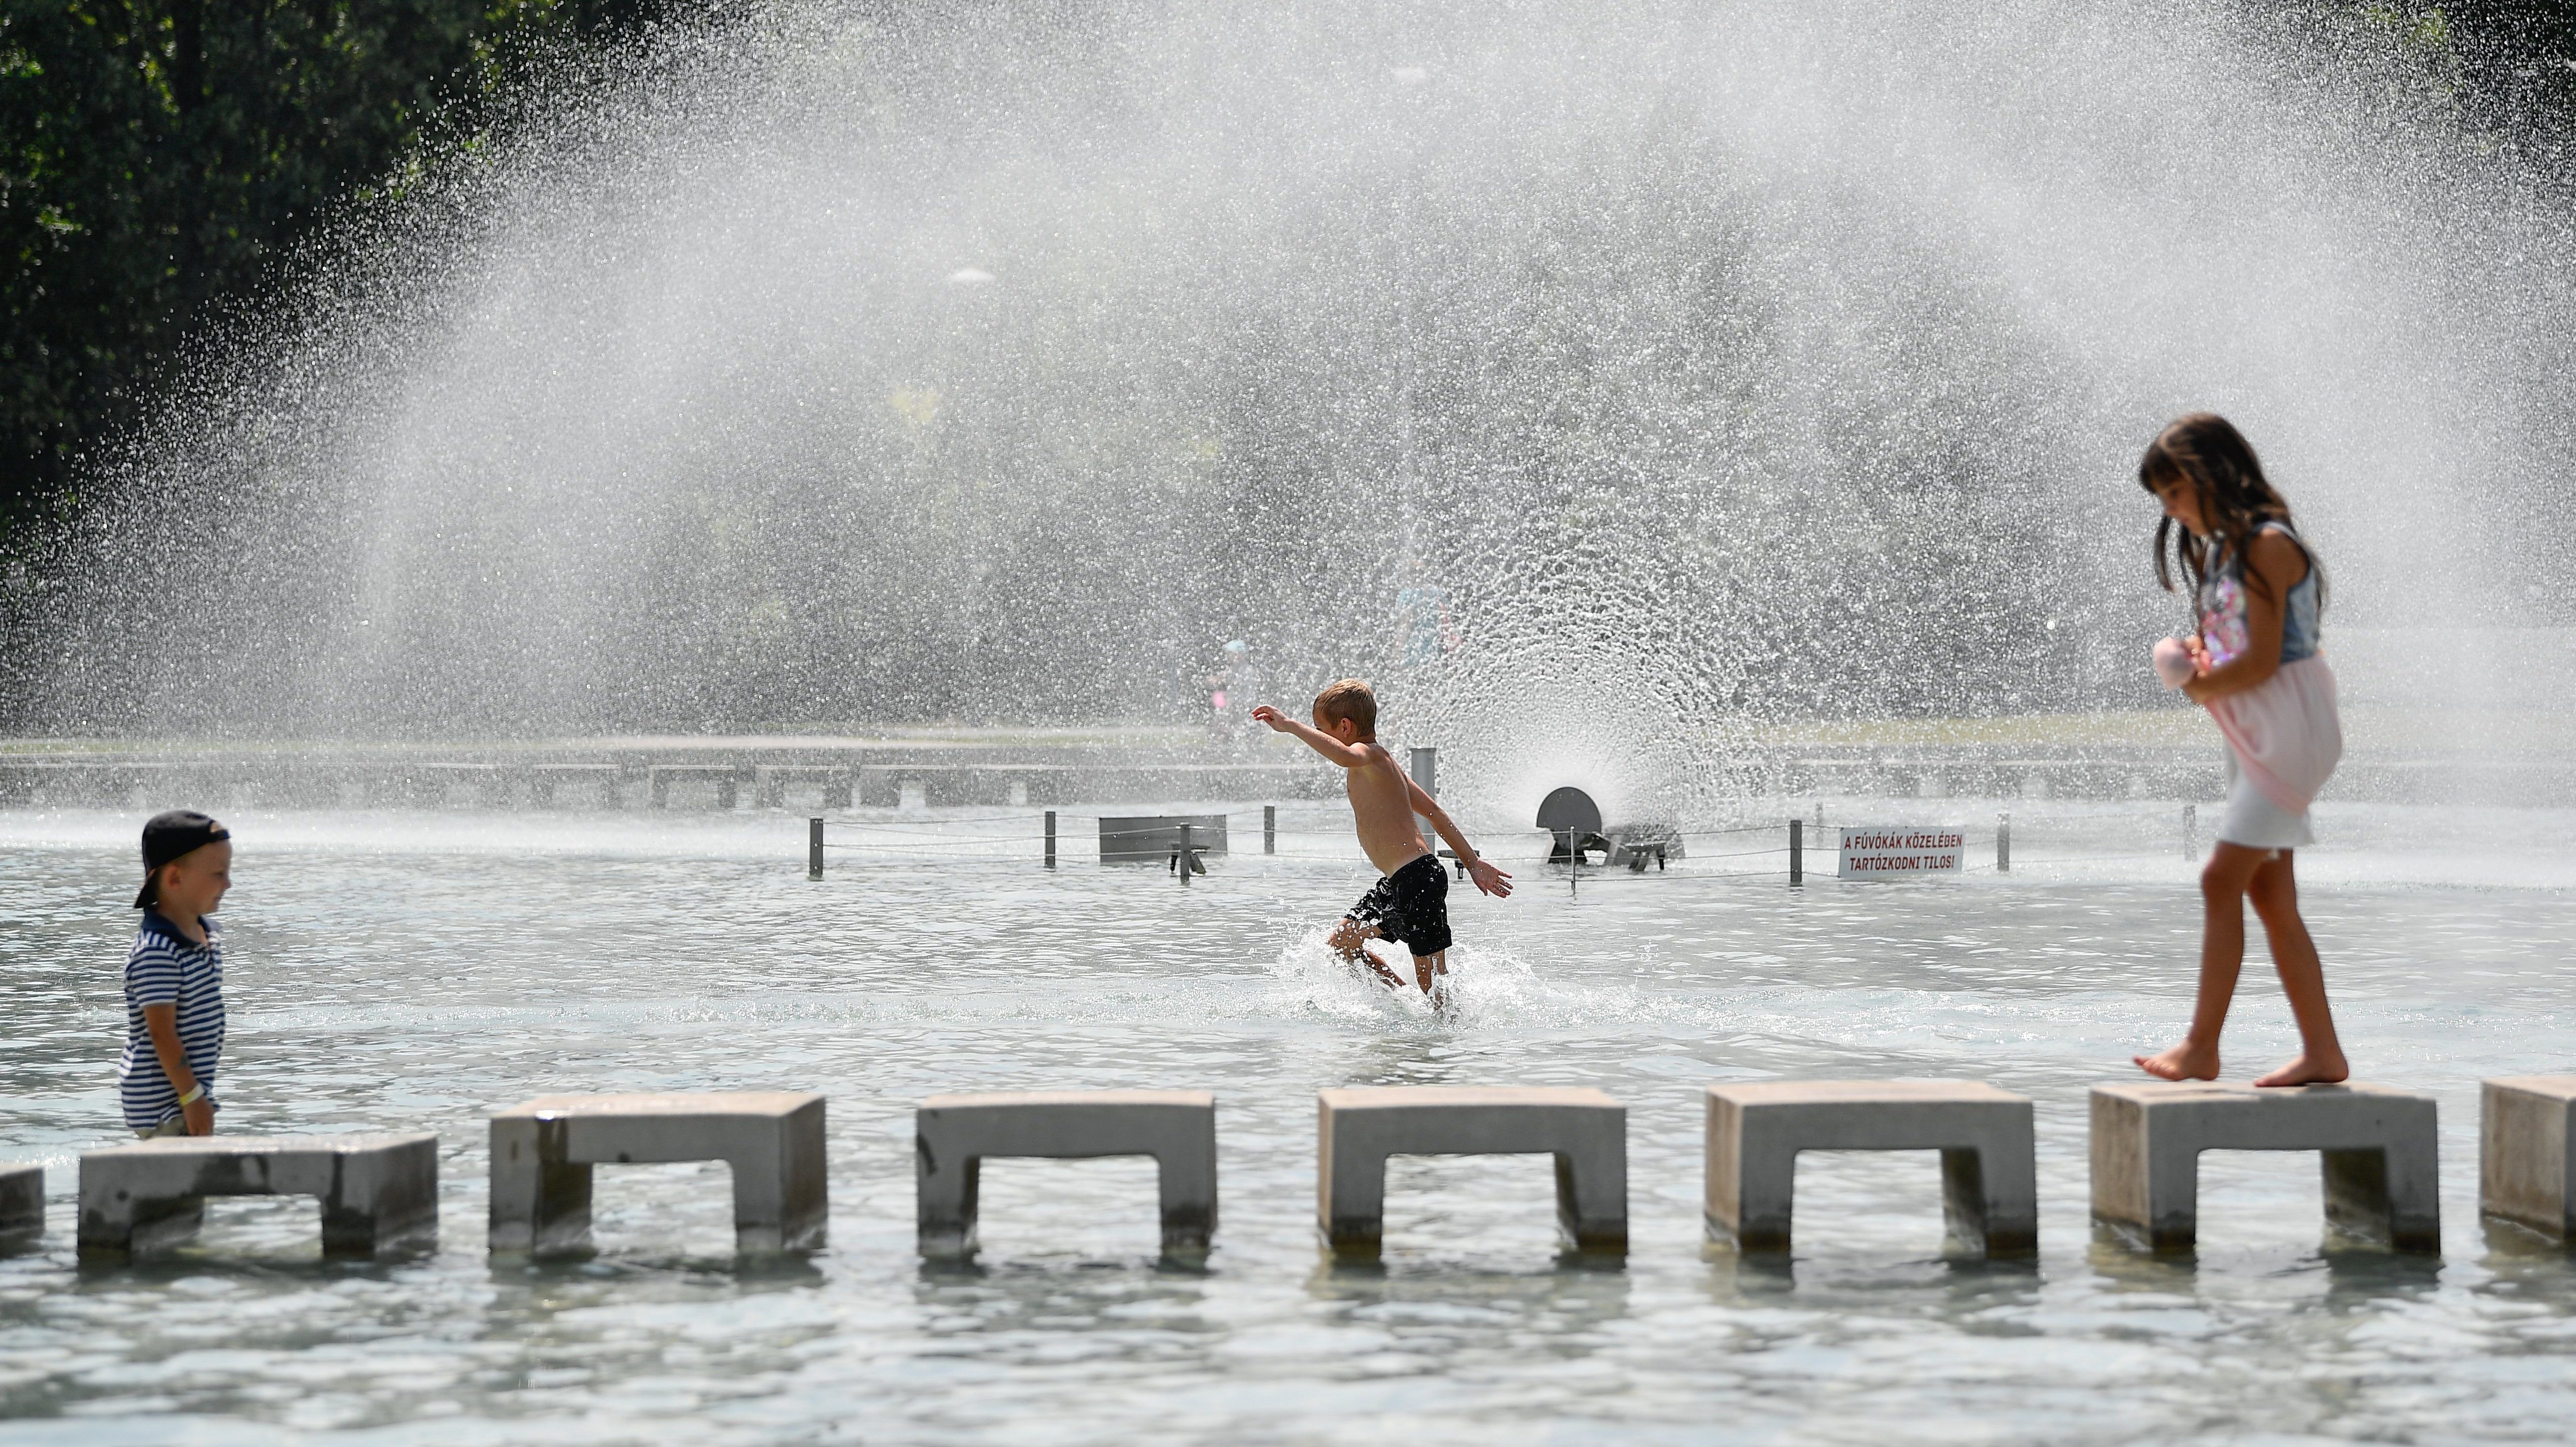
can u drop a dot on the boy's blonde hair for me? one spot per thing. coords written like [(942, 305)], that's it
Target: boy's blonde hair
[(1349, 698)]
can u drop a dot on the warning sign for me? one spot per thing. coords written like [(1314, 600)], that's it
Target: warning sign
[(1902, 853)]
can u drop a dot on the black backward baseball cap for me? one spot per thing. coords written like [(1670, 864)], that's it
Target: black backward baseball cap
[(168, 835)]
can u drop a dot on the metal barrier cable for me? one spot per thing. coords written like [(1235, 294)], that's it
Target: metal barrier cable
[(917, 837)]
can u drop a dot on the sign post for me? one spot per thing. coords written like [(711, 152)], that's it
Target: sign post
[(1425, 769)]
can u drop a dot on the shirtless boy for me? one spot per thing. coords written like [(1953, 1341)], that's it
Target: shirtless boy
[(1410, 906)]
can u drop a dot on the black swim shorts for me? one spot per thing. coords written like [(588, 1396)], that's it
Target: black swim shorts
[(1410, 906)]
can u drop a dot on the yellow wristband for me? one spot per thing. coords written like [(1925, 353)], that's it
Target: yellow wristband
[(196, 1092)]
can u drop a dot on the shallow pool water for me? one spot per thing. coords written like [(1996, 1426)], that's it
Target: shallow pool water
[(390, 972)]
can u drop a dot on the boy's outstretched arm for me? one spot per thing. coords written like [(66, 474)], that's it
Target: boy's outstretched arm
[(1489, 879), (1349, 756)]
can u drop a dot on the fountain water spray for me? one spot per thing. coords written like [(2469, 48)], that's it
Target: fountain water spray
[(1713, 365)]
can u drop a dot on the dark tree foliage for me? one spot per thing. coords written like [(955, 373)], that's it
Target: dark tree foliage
[(2519, 63), (161, 159)]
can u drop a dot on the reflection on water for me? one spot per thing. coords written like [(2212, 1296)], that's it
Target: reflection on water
[(385, 976)]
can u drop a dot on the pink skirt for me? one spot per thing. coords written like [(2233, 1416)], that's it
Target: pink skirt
[(2286, 737)]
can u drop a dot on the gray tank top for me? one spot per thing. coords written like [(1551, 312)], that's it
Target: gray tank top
[(2221, 605)]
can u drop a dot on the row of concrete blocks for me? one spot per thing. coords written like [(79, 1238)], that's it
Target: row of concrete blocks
[(379, 1193), (497, 785)]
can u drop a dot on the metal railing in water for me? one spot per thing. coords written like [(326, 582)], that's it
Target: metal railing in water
[(993, 840)]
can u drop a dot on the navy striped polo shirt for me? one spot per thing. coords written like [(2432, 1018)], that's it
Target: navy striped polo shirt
[(168, 968)]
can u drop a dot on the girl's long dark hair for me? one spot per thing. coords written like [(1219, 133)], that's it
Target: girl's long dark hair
[(2206, 453)]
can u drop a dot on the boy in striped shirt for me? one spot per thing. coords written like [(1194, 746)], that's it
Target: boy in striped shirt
[(174, 978)]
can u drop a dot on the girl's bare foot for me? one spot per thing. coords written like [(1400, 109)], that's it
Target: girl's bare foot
[(2322, 1070), (2183, 1062)]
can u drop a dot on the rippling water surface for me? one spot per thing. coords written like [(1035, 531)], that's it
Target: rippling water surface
[(387, 973)]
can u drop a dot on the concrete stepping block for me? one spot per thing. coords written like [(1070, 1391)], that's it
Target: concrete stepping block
[(953, 1135), (2527, 1152), (22, 1205), (1989, 1163), (379, 1192), (2378, 1147), (770, 783), (543, 1151), (659, 777), (1357, 1128)]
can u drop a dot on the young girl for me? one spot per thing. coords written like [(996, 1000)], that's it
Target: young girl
[(2254, 665)]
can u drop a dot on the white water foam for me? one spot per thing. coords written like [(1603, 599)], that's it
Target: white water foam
[(1490, 987)]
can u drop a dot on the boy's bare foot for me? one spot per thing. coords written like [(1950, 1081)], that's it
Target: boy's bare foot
[(2323, 1070), (2183, 1062)]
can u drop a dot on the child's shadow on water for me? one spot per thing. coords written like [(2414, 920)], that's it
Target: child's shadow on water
[(2376, 1276), (533, 1292), (2527, 1267), (2356, 1270), (1470, 1306), (760, 1271), (1955, 1283), (1060, 1293)]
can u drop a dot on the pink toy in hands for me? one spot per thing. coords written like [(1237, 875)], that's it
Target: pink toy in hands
[(2174, 662)]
